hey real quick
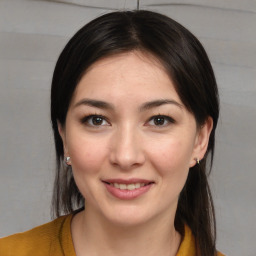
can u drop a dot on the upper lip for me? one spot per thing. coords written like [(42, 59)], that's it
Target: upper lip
[(128, 181)]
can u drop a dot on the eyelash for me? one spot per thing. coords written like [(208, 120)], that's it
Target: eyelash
[(168, 119)]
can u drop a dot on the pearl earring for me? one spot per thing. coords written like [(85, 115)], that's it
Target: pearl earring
[(197, 160), (67, 160)]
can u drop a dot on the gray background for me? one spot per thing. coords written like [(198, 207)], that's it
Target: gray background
[(32, 34)]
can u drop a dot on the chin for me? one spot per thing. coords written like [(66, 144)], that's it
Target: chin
[(128, 221), (130, 216)]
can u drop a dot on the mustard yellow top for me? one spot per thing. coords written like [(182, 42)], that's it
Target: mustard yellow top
[(54, 239)]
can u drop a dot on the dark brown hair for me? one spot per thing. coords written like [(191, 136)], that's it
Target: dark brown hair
[(185, 60)]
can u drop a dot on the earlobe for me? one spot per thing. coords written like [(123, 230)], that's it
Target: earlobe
[(201, 142)]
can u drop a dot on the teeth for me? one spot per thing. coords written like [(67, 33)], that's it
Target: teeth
[(127, 186), (123, 186), (131, 187), (116, 185), (137, 185)]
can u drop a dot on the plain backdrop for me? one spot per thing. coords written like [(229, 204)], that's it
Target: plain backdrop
[(32, 34)]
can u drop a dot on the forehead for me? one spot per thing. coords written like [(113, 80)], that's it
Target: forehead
[(131, 56), (127, 74)]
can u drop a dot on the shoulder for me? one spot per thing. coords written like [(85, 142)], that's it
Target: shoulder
[(188, 244), (37, 241)]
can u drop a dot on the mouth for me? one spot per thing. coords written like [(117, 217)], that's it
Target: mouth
[(130, 186), (128, 189)]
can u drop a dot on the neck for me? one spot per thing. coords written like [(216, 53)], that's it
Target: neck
[(95, 237)]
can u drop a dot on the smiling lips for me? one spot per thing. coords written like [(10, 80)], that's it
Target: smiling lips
[(128, 186), (127, 189)]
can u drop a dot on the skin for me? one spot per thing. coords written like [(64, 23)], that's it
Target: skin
[(130, 142)]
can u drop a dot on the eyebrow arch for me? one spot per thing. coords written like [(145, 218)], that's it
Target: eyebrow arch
[(95, 103), (157, 103)]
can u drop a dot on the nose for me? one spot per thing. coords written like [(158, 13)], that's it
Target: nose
[(126, 149)]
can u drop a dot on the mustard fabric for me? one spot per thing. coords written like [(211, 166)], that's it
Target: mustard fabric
[(54, 239)]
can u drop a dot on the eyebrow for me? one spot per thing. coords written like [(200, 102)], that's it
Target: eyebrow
[(108, 106), (158, 103), (95, 103)]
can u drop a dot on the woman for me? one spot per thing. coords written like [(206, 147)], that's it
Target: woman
[(134, 111)]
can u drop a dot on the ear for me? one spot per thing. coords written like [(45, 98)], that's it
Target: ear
[(61, 130), (201, 141)]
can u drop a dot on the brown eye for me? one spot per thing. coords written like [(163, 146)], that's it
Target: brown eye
[(160, 120), (95, 120)]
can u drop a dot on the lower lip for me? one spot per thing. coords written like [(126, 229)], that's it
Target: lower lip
[(126, 194)]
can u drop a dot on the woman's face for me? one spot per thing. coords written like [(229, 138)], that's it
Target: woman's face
[(131, 140)]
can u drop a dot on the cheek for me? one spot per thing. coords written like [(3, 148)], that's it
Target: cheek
[(171, 160), (87, 158), (172, 165), (172, 155), (86, 155)]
